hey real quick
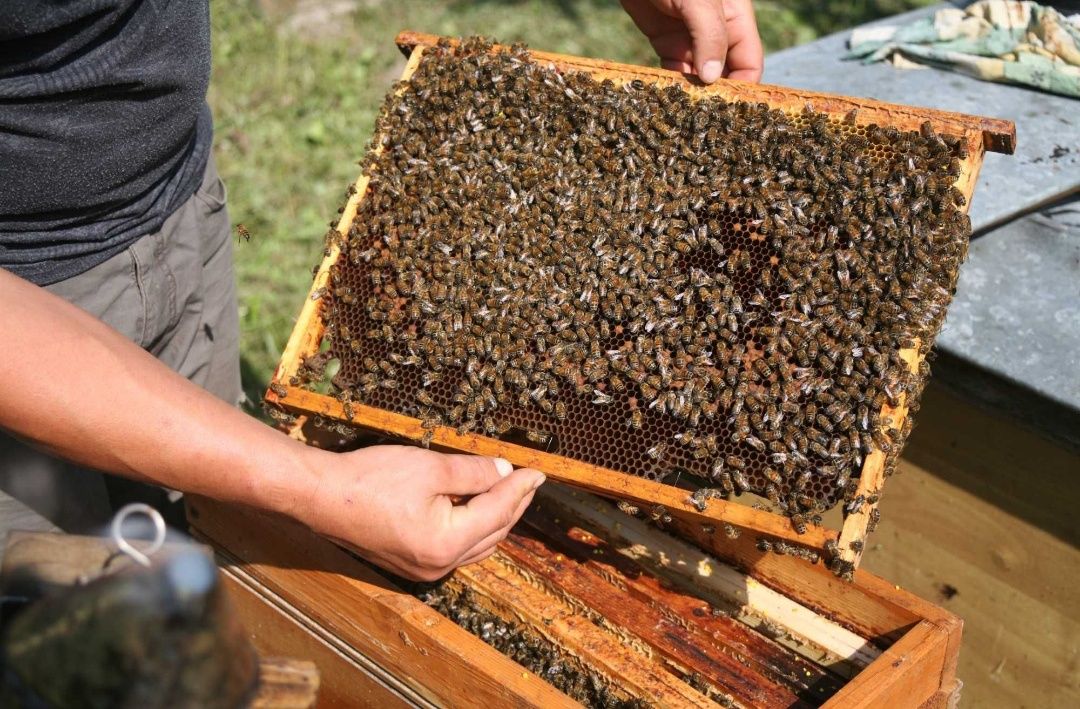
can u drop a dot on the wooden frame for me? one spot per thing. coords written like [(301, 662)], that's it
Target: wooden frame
[(978, 133), (897, 649)]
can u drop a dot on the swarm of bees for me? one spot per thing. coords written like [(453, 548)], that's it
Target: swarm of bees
[(642, 280)]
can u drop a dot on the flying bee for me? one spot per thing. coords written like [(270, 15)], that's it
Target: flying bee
[(243, 234)]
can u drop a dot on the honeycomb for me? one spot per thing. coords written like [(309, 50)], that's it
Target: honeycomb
[(787, 353)]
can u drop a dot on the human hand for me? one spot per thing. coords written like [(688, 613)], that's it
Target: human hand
[(392, 505), (710, 38)]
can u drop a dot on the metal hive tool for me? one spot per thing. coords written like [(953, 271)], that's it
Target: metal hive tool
[(592, 446)]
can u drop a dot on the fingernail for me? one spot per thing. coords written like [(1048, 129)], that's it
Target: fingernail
[(711, 70), (503, 467), (539, 481)]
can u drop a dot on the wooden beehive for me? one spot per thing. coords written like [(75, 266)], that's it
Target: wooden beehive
[(977, 134), (631, 606)]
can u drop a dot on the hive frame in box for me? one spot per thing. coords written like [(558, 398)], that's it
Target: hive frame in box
[(978, 134), (900, 649)]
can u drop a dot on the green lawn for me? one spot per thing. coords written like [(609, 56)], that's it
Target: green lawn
[(296, 87)]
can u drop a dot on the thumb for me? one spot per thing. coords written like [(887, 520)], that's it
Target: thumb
[(469, 474), (708, 34), (494, 510)]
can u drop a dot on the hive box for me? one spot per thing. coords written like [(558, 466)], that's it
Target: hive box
[(632, 603)]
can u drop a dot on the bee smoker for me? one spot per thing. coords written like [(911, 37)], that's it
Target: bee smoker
[(150, 628)]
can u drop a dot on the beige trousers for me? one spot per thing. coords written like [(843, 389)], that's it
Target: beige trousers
[(173, 293)]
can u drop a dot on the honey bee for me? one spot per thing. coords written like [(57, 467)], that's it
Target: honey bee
[(659, 514), (560, 410), (242, 234), (698, 500), (537, 436)]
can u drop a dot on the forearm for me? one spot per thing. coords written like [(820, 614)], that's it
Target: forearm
[(77, 387)]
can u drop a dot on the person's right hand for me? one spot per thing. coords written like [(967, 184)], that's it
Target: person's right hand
[(393, 506), (710, 38)]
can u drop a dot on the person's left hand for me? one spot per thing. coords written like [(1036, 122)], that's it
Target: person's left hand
[(710, 38)]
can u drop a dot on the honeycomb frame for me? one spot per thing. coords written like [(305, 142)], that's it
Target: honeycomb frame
[(978, 134)]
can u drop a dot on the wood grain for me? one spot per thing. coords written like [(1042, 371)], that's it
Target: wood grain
[(275, 627), (907, 673), (694, 571), (349, 605), (873, 608), (683, 648), (427, 652), (499, 586), (286, 684), (636, 584)]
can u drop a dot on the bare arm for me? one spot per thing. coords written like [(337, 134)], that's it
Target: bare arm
[(71, 384)]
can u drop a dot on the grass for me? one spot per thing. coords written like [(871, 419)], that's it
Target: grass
[(296, 87)]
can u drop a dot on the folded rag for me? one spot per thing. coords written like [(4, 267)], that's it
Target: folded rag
[(994, 40)]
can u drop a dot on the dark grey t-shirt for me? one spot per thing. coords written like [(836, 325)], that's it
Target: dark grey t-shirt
[(104, 127)]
